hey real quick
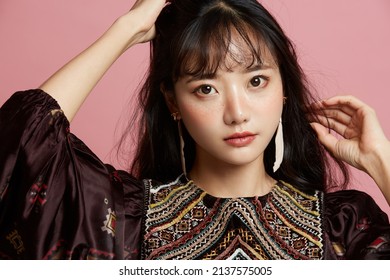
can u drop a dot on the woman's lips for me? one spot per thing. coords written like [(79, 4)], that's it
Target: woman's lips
[(240, 139)]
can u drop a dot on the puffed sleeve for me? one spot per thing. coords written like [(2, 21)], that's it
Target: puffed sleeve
[(57, 199), (356, 227)]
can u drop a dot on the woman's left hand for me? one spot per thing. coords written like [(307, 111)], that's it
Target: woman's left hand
[(362, 138)]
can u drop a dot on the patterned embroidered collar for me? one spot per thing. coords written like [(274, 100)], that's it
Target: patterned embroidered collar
[(184, 222)]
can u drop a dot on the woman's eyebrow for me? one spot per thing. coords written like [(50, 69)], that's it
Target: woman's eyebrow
[(200, 76), (262, 66)]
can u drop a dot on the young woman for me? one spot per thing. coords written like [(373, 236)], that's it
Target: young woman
[(229, 163)]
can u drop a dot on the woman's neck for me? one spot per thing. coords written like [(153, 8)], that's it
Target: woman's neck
[(224, 180)]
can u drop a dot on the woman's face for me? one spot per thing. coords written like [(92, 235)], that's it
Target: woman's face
[(233, 114)]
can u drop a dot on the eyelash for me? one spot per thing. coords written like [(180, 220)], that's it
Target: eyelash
[(260, 77)]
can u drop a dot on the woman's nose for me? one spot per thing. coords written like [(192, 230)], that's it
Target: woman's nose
[(236, 109)]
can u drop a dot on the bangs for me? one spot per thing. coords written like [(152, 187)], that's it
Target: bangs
[(219, 39)]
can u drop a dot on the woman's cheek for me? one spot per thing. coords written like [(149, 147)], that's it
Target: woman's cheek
[(199, 119)]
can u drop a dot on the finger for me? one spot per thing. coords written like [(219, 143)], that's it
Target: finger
[(348, 131), (328, 140), (345, 100), (322, 105), (335, 114), (340, 128)]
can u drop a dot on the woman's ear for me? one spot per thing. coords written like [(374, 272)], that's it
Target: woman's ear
[(170, 99)]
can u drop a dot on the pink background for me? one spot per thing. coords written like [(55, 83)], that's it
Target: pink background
[(343, 47)]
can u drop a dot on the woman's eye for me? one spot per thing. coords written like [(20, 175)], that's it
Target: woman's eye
[(205, 89), (258, 81)]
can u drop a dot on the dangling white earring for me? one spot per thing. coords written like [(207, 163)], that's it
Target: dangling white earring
[(279, 147), (182, 157)]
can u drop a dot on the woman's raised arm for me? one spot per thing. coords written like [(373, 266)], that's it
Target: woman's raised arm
[(71, 84)]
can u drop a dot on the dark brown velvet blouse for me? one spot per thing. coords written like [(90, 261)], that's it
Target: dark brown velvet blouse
[(59, 201)]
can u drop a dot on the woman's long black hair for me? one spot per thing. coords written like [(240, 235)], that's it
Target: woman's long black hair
[(193, 37)]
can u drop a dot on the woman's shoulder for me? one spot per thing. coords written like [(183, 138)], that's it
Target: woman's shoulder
[(356, 226), (352, 200), (334, 202)]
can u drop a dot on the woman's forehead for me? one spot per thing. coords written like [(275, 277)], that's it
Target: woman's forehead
[(237, 53), (240, 52)]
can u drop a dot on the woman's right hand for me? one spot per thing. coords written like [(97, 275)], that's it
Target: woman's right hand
[(144, 14)]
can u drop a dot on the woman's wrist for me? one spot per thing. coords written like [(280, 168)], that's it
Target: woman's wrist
[(378, 167), (125, 31), (132, 29)]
